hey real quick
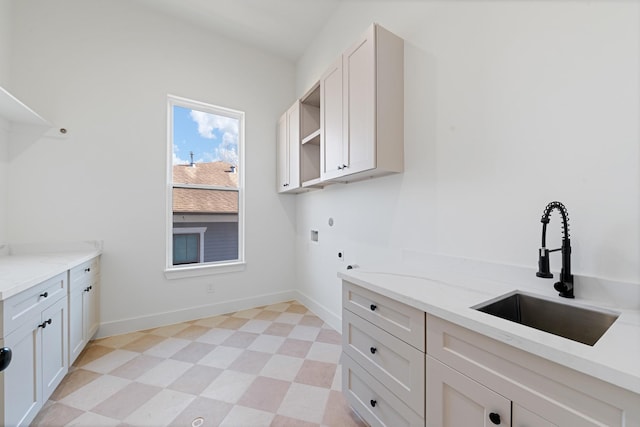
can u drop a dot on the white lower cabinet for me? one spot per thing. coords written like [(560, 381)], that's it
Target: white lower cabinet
[(39, 345), (84, 285)]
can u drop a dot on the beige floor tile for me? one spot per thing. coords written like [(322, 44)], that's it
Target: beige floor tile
[(267, 315), (319, 374), (241, 416), (192, 332), (195, 379), (325, 352), (211, 411), (193, 352), (338, 412), (168, 347), (73, 381), (160, 409), (291, 318), (279, 329), (337, 379), (95, 392), (229, 386), (124, 402), (56, 414), (295, 348), (210, 322), (280, 307), (164, 373), (170, 330), (91, 353), (136, 366), (329, 336), (143, 343), (255, 326), (282, 367), (265, 394), (248, 314), (305, 402), (233, 323), (266, 343), (307, 333), (118, 341), (282, 421), (250, 362), (311, 320), (89, 419), (110, 361), (240, 339), (297, 308), (215, 336), (221, 357)]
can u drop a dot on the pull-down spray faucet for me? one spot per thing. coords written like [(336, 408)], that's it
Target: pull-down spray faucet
[(565, 285)]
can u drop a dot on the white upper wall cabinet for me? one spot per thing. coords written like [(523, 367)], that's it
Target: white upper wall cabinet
[(288, 149), (362, 109)]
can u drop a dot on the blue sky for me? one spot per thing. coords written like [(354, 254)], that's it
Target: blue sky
[(210, 137)]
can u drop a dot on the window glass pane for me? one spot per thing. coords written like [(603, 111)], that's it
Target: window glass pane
[(186, 248)]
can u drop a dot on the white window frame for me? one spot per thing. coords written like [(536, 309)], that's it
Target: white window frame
[(202, 269)]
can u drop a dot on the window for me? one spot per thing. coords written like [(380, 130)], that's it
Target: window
[(204, 188)]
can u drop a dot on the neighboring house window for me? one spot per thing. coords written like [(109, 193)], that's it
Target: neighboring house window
[(205, 188)]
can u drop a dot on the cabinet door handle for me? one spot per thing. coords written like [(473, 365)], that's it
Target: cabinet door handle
[(373, 307), (345, 166), (88, 288), (86, 270), (495, 418), (285, 185), (339, 167), (44, 294), (373, 350), (44, 324), (373, 403)]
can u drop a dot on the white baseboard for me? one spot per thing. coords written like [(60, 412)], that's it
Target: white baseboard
[(332, 319), (124, 326)]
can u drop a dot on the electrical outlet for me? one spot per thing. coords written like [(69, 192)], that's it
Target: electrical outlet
[(341, 255), (210, 288)]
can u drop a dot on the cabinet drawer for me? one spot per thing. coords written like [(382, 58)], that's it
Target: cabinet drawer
[(399, 366), (84, 274), (375, 404), (32, 301), (400, 320)]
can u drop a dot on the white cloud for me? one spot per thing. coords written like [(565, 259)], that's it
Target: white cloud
[(227, 151)]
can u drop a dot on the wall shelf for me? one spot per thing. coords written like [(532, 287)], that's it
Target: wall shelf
[(313, 138)]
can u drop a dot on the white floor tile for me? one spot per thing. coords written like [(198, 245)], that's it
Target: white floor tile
[(110, 361), (160, 409), (291, 318), (93, 420), (305, 402), (229, 386), (282, 367), (306, 333), (324, 352), (221, 357), (243, 416), (168, 347), (256, 326), (215, 336), (164, 373), (95, 392), (267, 343)]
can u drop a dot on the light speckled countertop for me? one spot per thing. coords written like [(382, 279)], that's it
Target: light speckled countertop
[(23, 269), (615, 358)]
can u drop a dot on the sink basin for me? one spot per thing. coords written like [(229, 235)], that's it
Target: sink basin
[(579, 324)]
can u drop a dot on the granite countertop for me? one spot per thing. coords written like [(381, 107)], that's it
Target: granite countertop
[(615, 358), (22, 268)]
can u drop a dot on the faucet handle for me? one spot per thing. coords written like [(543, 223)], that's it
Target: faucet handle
[(543, 264)]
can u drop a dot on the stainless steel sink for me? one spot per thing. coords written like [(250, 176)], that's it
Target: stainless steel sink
[(575, 323)]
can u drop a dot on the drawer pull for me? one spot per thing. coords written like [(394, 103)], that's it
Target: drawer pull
[(44, 324), (373, 403), (495, 418), (373, 307), (44, 294), (373, 350), (88, 288), (86, 270)]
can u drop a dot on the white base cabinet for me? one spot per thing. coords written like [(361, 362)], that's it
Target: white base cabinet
[(37, 336), (84, 315)]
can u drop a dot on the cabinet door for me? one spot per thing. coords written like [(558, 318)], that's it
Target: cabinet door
[(92, 318), (76, 322), (22, 378), (282, 148), (454, 400), (332, 157), (525, 418), (293, 141), (54, 346), (360, 103)]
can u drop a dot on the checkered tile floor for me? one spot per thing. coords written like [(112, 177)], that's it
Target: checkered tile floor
[(270, 366)]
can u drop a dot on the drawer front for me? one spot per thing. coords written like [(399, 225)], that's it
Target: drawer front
[(84, 274), (400, 320), (399, 366), (32, 301), (375, 404)]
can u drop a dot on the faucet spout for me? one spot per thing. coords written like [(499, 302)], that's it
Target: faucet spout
[(565, 285)]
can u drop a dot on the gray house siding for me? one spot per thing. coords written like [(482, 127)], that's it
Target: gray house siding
[(220, 239)]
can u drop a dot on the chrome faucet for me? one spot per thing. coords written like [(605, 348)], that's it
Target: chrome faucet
[(565, 285)]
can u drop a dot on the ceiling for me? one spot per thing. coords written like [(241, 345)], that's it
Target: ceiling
[(282, 27)]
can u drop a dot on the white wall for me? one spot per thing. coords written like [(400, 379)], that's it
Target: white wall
[(5, 50), (508, 106), (103, 70)]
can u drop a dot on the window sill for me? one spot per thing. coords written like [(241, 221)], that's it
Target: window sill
[(203, 270)]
